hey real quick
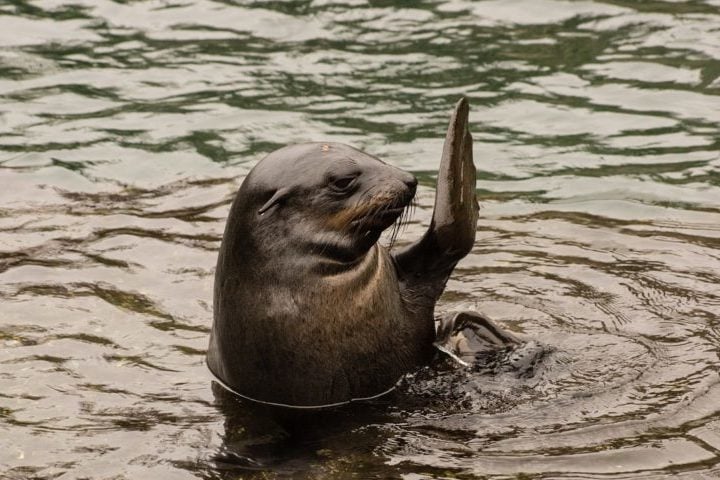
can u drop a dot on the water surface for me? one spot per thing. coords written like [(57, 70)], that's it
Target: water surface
[(127, 126)]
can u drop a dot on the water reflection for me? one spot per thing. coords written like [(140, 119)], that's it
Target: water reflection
[(260, 440), (126, 128)]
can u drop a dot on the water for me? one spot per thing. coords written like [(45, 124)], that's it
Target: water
[(126, 127)]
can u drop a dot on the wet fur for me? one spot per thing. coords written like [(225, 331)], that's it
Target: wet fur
[(309, 309)]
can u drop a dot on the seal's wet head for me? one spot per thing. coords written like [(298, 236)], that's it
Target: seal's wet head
[(344, 197)]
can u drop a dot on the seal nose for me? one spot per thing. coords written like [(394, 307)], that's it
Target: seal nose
[(410, 180), (410, 184)]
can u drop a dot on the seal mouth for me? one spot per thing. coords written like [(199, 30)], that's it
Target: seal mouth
[(393, 214), (365, 221), (378, 220)]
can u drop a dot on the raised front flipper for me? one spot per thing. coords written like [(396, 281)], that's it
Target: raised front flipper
[(425, 266)]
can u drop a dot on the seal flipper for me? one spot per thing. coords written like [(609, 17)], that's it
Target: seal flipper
[(465, 335), (425, 266), (473, 340)]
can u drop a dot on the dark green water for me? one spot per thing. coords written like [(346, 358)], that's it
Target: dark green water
[(126, 126)]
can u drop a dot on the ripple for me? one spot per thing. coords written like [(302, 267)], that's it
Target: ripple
[(127, 127)]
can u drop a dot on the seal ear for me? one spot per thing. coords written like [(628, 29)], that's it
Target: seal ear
[(279, 195)]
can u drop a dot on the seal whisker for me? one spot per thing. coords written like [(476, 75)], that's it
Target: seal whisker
[(400, 224)]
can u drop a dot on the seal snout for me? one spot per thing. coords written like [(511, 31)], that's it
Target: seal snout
[(389, 205), (411, 183), (409, 180)]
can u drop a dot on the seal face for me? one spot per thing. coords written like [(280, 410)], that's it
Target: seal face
[(309, 310)]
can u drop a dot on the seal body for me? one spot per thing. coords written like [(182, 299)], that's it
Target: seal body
[(308, 306), (309, 310)]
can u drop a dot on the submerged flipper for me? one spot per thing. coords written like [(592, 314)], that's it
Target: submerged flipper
[(474, 341), (466, 335), (427, 263)]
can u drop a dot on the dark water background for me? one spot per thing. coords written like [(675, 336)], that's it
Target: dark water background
[(126, 127)]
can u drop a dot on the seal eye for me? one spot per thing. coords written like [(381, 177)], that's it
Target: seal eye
[(343, 184)]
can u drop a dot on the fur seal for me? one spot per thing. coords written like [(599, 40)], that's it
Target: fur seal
[(309, 310)]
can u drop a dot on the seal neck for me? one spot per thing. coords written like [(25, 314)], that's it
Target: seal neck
[(333, 253), (332, 265)]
